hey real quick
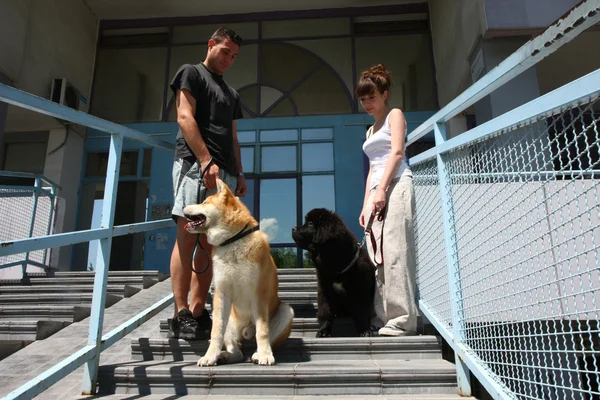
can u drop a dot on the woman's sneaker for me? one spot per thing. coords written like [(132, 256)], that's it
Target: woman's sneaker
[(204, 326), (393, 331)]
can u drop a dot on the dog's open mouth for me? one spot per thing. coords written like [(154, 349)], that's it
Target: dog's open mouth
[(196, 221)]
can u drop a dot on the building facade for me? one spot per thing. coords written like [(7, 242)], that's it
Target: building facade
[(296, 73)]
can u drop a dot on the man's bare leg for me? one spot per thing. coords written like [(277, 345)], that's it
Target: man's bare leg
[(200, 282), (181, 273)]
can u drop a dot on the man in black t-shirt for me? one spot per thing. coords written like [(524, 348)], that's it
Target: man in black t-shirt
[(207, 110)]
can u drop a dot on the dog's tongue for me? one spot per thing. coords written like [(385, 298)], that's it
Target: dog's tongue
[(188, 225)]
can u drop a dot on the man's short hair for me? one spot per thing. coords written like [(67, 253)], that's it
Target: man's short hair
[(222, 33)]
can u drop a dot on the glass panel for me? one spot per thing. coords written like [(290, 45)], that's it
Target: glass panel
[(97, 164), (247, 159), (306, 27), (318, 191), (248, 199), (311, 99), (278, 159), (283, 65), (248, 96), (280, 135), (412, 68), (285, 257), (317, 134), (278, 209), (268, 96), (284, 108), (246, 136), (335, 52), (129, 84), (317, 157), (306, 260), (202, 33), (147, 162)]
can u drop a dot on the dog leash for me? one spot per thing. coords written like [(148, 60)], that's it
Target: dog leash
[(369, 230), (198, 201)]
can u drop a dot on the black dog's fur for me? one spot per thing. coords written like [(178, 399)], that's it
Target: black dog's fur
[(332, 247)]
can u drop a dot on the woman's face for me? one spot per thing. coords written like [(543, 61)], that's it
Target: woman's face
[(374, 102)]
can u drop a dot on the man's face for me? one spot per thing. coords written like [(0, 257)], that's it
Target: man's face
[(221, 55)]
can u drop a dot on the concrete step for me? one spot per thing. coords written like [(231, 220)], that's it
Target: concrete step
[(43, 299), (141, 281), (300, 327), (323, 377), (29, 330), (300, 349), (308, 397), (74, 274), (69, 313), (296, 271), (116, 290), (301, 310)]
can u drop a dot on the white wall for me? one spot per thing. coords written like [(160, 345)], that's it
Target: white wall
[(66, 171), (42, 40)]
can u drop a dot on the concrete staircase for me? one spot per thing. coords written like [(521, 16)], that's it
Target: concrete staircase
[(338, 367), (46, 303)]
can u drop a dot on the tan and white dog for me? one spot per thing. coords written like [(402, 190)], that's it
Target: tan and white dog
[(246, 300)]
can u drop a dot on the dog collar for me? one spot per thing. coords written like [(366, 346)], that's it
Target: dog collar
[(352, 262), (240, 235)]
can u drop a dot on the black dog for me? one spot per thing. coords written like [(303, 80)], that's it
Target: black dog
[(345, 273)]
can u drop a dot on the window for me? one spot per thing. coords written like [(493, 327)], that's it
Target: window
[(288, 173)]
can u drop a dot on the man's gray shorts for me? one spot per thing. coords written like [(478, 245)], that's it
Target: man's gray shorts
[(187, 187)]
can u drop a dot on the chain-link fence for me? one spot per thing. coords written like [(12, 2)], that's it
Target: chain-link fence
[(27, 204), (525, 212)]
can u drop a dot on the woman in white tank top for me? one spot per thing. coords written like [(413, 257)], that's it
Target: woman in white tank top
[(389, 204)]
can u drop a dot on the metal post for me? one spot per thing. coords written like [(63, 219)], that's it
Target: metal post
[(50, 218), (36, 194), (454, 282), (90, 375)]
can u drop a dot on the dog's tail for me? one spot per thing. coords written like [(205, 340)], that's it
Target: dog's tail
[(280, 325)]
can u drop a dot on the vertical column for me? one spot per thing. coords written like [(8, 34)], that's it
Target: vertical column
[(454, 282), (90, 375)]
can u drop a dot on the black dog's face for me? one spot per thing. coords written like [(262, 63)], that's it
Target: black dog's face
[(313, 231)]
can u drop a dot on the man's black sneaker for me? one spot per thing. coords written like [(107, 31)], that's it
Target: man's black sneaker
[(204, 326), (183, 326)]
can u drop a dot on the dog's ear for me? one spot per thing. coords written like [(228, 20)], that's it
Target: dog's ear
[(220, 185)]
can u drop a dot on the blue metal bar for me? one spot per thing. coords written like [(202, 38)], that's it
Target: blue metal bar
[(492, 386), (28, 101), (36, 195), (456, 298), (29, 175), (565, 29), (567, 96), (48, 378), (50, 219), (47, 242), (127, 327), (65, 239), (142, 227), (90, 375)]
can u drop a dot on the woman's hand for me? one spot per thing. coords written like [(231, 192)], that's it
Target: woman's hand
[(379, 200), (361, 219)]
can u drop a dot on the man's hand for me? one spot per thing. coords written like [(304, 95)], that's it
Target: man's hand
[(211, 174), (241, 188)]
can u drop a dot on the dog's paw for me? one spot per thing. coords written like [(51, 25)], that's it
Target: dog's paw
[(366, 333), (265, 358), (209, 359), (324, 332)]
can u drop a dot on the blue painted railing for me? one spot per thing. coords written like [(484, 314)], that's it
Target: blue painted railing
[(97, 343), (508, 353), (507, 232), (16, 198)]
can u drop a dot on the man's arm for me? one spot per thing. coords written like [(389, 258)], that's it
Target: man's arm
[(186, 109), (237, 152)]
